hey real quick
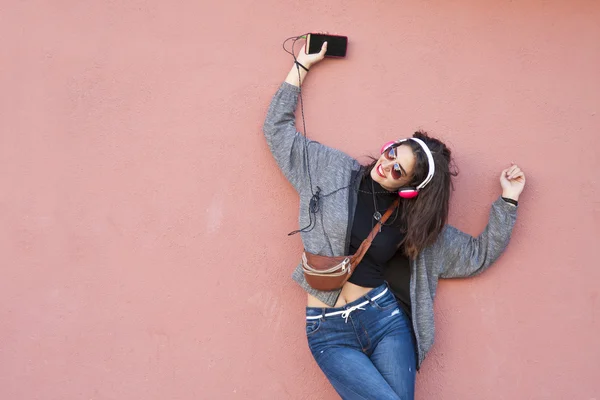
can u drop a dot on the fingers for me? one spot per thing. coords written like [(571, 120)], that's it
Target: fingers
[(319, 33), (323, 49), (519, 177), (513, 172)]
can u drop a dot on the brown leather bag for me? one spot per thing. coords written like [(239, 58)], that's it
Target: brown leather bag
[(330, 273)]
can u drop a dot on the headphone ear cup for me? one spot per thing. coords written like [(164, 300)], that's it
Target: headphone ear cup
[(408, 192), (387, 146)]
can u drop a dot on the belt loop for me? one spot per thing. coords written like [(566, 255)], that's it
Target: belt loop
[(385, 287), (323, 314), (369, 298)]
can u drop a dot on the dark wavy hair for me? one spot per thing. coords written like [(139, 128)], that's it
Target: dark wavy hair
[(424, 217)]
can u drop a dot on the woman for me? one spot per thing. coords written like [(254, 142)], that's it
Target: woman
[(369, 338)]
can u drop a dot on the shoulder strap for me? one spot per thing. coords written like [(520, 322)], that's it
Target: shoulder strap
[(364, 246)]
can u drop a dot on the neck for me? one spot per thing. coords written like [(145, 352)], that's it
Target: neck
[(384, 187), (387, 188), (368, 180)]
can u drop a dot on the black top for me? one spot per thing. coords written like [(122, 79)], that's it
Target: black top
[(370, 271)]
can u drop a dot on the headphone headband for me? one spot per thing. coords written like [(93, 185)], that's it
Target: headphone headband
[(430, 163)]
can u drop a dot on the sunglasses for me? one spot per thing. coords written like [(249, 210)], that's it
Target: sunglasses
[(397, 171)]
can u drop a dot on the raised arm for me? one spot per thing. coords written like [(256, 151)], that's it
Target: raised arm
[(289, 147), (463, 255)]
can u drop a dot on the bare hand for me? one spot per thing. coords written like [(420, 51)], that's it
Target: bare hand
[(308, 60), (512, 181)]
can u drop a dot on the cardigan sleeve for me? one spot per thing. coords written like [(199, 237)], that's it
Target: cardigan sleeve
[(463, 255), (292, 151)]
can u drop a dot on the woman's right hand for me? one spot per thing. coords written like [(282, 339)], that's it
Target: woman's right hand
[(308, 60), (297, 74)]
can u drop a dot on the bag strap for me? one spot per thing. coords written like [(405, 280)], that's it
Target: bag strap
[(364, 246)]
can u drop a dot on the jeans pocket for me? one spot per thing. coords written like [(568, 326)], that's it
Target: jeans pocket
[(385, 302), (312, 326)]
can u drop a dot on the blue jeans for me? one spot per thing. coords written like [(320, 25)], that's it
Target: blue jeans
[(365, 353)]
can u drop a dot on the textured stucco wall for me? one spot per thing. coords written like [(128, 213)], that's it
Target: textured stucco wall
[(143, 220)]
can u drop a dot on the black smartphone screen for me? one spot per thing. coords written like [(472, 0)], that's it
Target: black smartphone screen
[(336, 45)]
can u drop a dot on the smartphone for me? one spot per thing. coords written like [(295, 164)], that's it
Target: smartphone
[(336, 45)]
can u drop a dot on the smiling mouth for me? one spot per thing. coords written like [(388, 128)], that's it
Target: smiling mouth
[(380, 171)]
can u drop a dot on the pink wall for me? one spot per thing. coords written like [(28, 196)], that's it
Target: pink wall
[(143, 241)]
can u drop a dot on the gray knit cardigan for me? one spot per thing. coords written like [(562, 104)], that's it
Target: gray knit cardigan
[(337, 175)]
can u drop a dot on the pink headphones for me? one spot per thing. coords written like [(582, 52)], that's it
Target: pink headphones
[(412, 192)]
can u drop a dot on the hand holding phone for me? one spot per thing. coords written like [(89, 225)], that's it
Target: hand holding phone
[(308, 60), (336, 45)]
